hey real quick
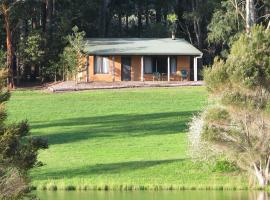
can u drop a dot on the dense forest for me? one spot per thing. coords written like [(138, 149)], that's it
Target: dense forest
[(34, 32)]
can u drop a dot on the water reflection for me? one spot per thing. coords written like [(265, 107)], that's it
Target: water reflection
[(147, 195)]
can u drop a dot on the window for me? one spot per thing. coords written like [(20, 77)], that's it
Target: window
[(101, 65), (173, 65), (148, 67)]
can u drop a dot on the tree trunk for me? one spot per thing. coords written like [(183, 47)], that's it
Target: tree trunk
[(197, 28), (34, 19), (197, 25), (127, 22), (147, 14), (119, 24), (53, 8), (147, 18), (261, 175), (10, 53), (18, 73), (158, 14), (43, 16), (166, 16), (104, 17), (263, 196), (250, 14), (49, 10), (139, 19)]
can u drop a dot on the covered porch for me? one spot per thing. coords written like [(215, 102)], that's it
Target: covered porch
[(169, 68), (159, 68)]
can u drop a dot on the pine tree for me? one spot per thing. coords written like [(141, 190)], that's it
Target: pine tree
[(18, 150)]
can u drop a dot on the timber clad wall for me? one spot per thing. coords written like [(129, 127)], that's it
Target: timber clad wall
[(183, 62), (105, 77), (117, 68), (136, 68)]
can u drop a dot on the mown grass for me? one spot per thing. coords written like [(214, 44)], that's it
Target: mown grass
[(132, 139)]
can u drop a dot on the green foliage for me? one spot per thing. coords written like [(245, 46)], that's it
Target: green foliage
[(239, 124), (31, 53), (3, 59), (224, 166), (225, 25), (155, 30), (249, 61), (33, 48), (216, 76), (76, 40), (172, 19), (218, 115), (118, 18), (18, 151), (70, 61), (247, 68)]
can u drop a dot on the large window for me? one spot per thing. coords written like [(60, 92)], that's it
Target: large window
[(148, 65), (159, 64), (102, 65), (173, 65)]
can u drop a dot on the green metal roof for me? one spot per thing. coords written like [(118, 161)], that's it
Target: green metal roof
[(139, 46)]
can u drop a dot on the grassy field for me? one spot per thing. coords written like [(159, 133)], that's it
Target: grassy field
[(117, 139)]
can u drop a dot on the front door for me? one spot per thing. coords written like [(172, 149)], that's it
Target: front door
[(126, 68)]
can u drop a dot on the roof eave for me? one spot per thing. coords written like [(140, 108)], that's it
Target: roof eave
[(144, 54)]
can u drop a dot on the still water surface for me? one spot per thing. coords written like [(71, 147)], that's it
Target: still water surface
[(182, 195)]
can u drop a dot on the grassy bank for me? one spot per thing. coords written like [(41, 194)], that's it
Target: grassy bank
[(132, 139)]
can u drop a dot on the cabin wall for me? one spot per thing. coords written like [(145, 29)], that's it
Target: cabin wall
[(105, 77), (183, 62), (136, 68), (118, 67)]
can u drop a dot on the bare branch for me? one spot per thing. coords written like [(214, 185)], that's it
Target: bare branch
[(238, 10)]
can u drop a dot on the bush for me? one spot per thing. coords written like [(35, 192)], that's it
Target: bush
[(238, 124), (224, 166)]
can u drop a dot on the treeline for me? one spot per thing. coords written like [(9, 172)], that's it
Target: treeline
[(33, 32)]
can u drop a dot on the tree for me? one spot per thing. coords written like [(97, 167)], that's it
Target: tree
[(65, 68), (238, 124), (6, 7), (5, 11), (104, 17), (225, 27), (76, 45), (250, 14), (172, 18), (18, 151), (32, 52), (71, 59)]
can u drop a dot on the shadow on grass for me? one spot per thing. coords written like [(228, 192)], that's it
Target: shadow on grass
[(72, 130), (125, 125), (103, 169)]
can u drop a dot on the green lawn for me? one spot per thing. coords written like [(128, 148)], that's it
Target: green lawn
[(116, 139)]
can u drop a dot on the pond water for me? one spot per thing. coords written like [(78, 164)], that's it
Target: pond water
[(149, 195)]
